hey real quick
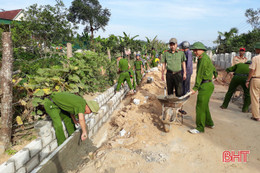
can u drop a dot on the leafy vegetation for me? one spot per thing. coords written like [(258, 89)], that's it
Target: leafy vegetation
[(231, 42), (84, 73)]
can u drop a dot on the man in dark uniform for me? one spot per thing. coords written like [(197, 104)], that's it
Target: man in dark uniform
[(64, 107), (205, 87), (174, 62), (241, 71), (189, 63)]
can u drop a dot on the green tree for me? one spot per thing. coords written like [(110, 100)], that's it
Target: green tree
[(253, 17), (48, 24), (89, 13), (225, 42)]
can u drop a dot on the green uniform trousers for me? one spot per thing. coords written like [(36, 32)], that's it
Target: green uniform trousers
[(146, 66), (235, 82), (58, 115), (122, 77), (138, 75), (133, 78), (203, 117)]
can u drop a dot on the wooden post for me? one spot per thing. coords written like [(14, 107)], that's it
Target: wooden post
[(108, 54), (7, 92), (69, 50)]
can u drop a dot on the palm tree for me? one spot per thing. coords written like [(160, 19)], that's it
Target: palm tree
[(226, 41)]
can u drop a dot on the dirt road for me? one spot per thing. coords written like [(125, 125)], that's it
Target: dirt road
[(146, 148)]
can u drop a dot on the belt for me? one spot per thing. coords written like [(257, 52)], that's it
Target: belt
[(169, 71), (137, 69), (123, 71), (238, 74), (206, 81)]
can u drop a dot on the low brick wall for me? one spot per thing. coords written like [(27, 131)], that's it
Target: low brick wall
[(225, 60), (36, 154)]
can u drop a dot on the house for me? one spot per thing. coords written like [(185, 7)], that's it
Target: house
[(6, 18)]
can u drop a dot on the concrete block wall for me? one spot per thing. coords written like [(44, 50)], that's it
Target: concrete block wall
[(34, 155), (225, 60)]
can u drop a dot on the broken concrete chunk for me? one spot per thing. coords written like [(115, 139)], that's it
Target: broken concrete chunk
[(122, 132), (136, 101)]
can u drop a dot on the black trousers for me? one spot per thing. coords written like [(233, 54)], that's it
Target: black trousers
[(174, 81), (186, 84)]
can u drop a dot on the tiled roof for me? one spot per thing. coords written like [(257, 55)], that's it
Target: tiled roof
[(10, 15)]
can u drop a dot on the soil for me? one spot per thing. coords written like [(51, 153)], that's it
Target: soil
[(134, 140)]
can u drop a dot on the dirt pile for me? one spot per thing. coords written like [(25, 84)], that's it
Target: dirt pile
[(132, 128)]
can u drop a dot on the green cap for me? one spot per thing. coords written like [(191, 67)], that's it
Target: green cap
[(173, 40), (93, 106), (198, 45), (257, 45), (118, 55)]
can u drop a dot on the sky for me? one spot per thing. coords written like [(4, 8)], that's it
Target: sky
[(185, 20)]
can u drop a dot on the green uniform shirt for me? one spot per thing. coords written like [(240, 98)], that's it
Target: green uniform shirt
[(69, 102), (240, 68), (205, 70), (154, 53), (123, 64), (173, 60), (138, 64)]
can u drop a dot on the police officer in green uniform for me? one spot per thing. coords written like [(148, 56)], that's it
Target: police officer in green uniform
[(138, 67), (63, 106), (132, 78), (241, 71), (154, 62), (124, 75), (204, 86), (146, 62)]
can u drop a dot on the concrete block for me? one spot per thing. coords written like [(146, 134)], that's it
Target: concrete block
[(7, 167), (46, 140), (110, 104), (53, 145), (104, 119), (222, 64), (45, 152), (97, 117), (228, 65), (20, 158), (21, 170), (248, 55), (91, 123), (99, 114), (43, 128), (95, 129), (53, 133), (100, 123), (90, 133), (226, 57), (34, 147), (33, 163)]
